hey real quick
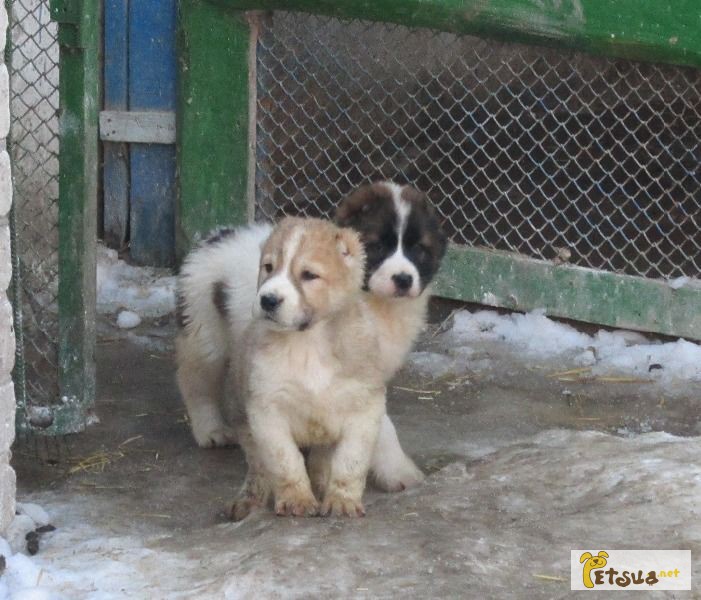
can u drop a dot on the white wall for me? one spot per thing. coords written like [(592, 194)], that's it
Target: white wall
[(7, 336)]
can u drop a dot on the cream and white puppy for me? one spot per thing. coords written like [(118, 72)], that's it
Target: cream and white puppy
[(217, 288), (216, 295), (307, 372)]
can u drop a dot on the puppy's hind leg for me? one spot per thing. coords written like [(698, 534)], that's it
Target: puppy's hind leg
[(201, 386), (393, 470)]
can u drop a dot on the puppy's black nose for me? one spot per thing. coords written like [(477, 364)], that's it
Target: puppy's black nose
[(269, 302), (403, 281)]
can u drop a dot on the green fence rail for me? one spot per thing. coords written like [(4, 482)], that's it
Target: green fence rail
[(652, 30)]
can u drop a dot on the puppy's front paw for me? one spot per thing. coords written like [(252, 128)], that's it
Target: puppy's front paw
[(399, 477), (294, 503), (341, 506), (216, 438)]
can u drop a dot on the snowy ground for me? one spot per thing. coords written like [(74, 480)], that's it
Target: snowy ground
[(605, 355), (501, 527), (537, 439)]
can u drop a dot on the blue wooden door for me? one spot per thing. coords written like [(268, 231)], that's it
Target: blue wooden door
[(136, 127)]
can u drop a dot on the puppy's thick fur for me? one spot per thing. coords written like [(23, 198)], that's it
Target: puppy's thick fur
[(307, 371), (216, 290)]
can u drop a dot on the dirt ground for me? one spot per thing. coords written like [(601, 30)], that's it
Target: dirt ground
[(502, 447)]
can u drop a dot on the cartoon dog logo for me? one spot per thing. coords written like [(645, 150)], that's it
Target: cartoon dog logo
[(590, 563)]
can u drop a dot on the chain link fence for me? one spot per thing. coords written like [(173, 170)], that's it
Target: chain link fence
[(548, 153), (34, 72)]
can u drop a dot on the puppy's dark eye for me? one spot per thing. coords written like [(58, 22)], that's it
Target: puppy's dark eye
[(423, 249), (309, 276), (268, 267)]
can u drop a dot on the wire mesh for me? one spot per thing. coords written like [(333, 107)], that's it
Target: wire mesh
[(33, 147), (544, 152)]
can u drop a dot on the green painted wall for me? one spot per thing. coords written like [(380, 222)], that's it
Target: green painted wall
[(79, 97), (212, 119)]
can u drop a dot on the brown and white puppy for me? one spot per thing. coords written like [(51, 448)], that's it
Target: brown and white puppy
[(404, 245), (307, 371), (402, 235)]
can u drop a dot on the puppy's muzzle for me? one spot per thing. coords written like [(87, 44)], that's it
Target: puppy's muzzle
[(403, 283), (270, 302)]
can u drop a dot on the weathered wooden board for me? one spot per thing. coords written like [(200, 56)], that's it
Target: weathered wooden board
[(212, 128), (513, 281), (657, 30), (152, 69), (152, 204), (115, 200), (139, 127)]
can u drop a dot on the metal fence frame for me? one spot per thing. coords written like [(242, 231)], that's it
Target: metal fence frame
[(64, 407)]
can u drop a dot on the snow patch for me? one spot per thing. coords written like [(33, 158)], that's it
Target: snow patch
[(128, 320), (146, 291), (532, 332), (35, 512), (16, 533), (679, 282), (431, 363), (23, 578), (535, 336)]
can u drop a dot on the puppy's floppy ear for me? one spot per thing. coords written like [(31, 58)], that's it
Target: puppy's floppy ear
[(437, 237), (349, 246), (354, 205), (586, 556), (604, 553)]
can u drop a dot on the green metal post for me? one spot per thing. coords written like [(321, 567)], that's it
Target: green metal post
[(79, 93)]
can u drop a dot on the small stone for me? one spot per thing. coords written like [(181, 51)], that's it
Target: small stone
[(32, 543)]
